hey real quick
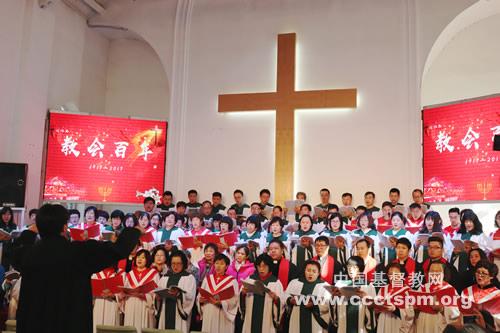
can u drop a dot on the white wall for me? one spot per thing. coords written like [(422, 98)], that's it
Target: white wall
[(467, 67), (42, 55), (136, 82)]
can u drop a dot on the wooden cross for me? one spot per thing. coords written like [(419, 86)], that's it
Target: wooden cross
[(285, 101)]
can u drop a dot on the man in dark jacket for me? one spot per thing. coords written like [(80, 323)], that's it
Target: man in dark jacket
[(56, 294)]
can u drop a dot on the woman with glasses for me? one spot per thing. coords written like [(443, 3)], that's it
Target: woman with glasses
[(175, 308)]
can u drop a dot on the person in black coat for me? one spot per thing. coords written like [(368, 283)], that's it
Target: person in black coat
[(55, 295)]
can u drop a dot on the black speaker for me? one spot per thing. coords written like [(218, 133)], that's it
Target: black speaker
[(13, 184), (496, 143)]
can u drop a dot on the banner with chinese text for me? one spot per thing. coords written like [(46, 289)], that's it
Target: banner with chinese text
[(459, 161), (104, 159)]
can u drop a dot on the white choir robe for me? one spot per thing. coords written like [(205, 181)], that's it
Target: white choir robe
[(188, 284), (295, 288), (366, 318), (495, 245), (480, 296), (140, 313), (196, 253), (215, 319), (267, 319), (482, 240), (106, 312), (388, 322), (436, 323)]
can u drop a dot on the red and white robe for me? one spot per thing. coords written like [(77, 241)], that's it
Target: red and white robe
[(217, 319), (436, 323), (106, 311), (389, 322), (197, 253), (138, 312), (489, 295)]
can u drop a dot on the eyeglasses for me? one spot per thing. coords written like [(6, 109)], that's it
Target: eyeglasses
[(482, 273)]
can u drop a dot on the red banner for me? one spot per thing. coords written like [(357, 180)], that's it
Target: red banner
[(104, 159), (459, 161)]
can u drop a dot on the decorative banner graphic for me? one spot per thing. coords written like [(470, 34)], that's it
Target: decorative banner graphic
[(459, 161), (104, 159)]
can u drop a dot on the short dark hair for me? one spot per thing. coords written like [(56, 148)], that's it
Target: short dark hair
[(395, 190), (168, 193), (266, 259), (308, 206), (227, 220), (222, 257), (386, 204), (454, 210), (238, 191), (212, 246), (255, 220), (33, 211), (217, 194), (401, 216), (130, 215), (301, 193), (192, 192), (275, 219), (397, 265), (51, 220), (117, 213), (180, 204), (491, 267), (331, 217), (415, 205), (404, 241), (244, 247), (103, 213), (322, 239), (361, 207), (370, 193), (178, 254), (265, 190), (436, 239), (314, 263), (356, 260), (149, 258), (90, 208), (324, 190), (148, 199), (347, 194), (74, 212)]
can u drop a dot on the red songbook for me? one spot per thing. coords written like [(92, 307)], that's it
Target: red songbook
[(413, 230), (229, 239), (83, 234), (424, 305), (141, 290), (383, 227), (112, 284), (223, 295), (190, 242), (147, 238), (350, 227)]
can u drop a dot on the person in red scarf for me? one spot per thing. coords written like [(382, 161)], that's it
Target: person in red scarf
[(282, 268), (329, 266), (403, 247), (218, 298)]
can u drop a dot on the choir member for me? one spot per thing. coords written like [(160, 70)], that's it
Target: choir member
[(217, 205), (394, 195), (167, 203), (454, 216), (74, 218), (169, 231), (198, 229), (275, 230), (366, 227), (304, 250), (352, 317), (432, 223), (264, 196), (139, 308), (206, 264), (403, 248), (329, 265), (241, 267), (149, 204), (471, 229), (262, 312), (282, 268), (159, 255), (325, 204), (117, 219), (343, 241), (130, 220), (437, 322), (102, 218), (193, 199), (416, 216), (253, 233), (369, 198), (495, 242), (483, 292), (239, 205), (307, 318), (175, 309), (106, 306), (394, 319), (144, 222), (369, 263), (155, 223), (474, 257), (384, 222), (218, 313)]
